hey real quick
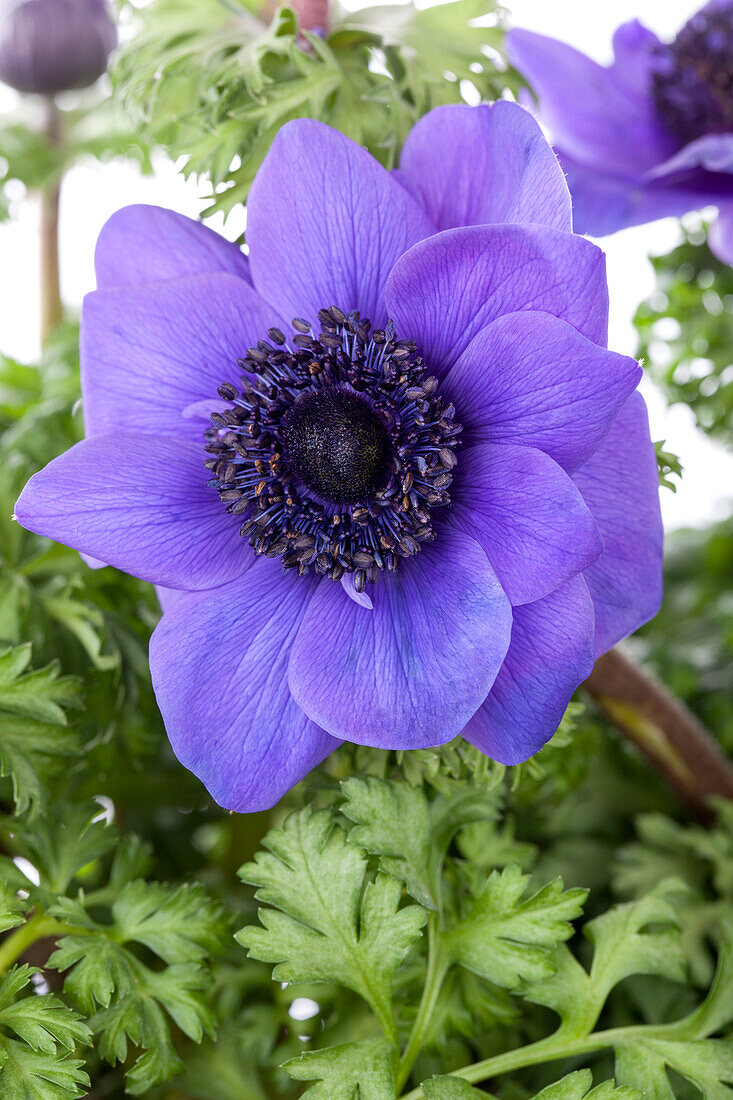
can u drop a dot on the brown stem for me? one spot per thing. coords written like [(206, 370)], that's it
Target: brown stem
[(663, 729), (51, 307)]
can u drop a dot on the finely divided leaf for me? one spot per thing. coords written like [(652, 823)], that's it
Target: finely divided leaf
[(506, 937), (38, 1036), (640, 937), (576, 1086), (353, 1071), (130, 1002), (393, 822), (330, 924), (34, 732)]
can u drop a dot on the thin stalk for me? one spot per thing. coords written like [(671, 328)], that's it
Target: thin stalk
[(663, 729), (37, 927), (436, 971), (552, 1050), (51, 307)]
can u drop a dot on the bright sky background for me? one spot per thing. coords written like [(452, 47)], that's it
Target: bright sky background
[(91, 193)]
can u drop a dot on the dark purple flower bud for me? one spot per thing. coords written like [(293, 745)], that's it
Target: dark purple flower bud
[(50, 46)]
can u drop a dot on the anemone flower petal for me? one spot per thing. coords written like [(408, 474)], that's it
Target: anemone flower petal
[(219, 666), (634, 49), (720, 235), (620, 485), (712, 153), (550, 654), (148, 353), (596, 117), (145, 244), (532, 379), (140, 504), (525, 512), (445, 290), (483, 166), (411, 671), (326, 224)]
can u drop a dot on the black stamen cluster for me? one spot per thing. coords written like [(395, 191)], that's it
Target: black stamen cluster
[(336, 449), (693, 81)]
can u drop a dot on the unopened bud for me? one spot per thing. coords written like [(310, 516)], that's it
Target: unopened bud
[(50, 46)]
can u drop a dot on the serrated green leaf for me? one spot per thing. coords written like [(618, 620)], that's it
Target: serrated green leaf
[(60, 845), (449, 1088), (129, 1001), (181, 925), (352, 1071), (392, 820), (576, 1086), (38, 1035), (34, 732), (640, 937), (506, 937), (706, 1063), (12, 908), (330, 924)]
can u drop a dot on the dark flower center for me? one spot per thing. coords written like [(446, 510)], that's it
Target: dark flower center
[(693, 81), (336, 449), (336, 444)]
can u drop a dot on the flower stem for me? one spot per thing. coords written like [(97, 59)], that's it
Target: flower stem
[(663, 729), (35, 928), (436, 971), (51, 307)]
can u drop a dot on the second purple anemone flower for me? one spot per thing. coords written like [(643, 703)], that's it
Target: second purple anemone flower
[(651, 135), (392, 484)]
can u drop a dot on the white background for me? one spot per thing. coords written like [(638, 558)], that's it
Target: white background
[(92, 192)]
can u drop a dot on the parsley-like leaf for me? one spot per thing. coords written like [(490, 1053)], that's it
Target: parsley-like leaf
[(352, 1071), (329, 923)]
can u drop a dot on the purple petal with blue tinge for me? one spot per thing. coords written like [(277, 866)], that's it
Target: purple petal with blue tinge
[(445, 290), (720, 235), (550, 654), (410, 672), (634, 48), (484, 166), (326, 224), (146, 244), (592, 113), (620, 485), (532, 379), (219, 665), (713, 153), (528, 516), (141, 504), (148, 353), (604, 203)]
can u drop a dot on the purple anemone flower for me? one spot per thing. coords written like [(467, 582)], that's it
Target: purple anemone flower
[(651, 135), (50, 46), (430, 496)]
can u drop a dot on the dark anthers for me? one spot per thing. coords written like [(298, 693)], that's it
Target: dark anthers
[(336, 449), (693, 78)]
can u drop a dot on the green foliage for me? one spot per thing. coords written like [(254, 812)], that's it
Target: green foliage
[(213, 83), (29, 161), (690, 642), (38, 1037), (354, 1071), (686, 332), (505, 937), (34, 730), (329, 924)]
